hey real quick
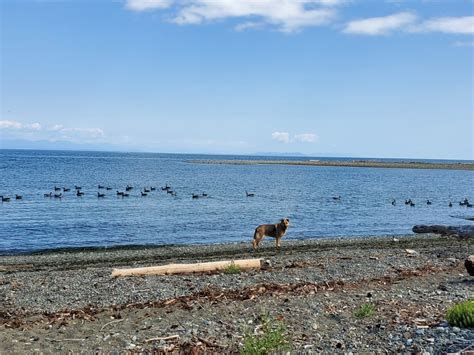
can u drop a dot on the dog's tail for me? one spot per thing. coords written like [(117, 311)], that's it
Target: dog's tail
[(254, 241)]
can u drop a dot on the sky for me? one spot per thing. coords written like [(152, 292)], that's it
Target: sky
[(388, 79)]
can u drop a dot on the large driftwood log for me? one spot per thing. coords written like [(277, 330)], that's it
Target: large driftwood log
[(169, 269), (461, 231), (469, 264)]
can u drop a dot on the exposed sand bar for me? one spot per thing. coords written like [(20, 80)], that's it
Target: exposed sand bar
[(353, 163)]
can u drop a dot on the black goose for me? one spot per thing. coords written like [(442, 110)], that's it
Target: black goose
[(57, 188), (99, 195), (146, 190), (18, 197), (100, 187), (128, 188), (152, 188), (5, 199), (48, 195), (144, 194), (249, 194), (195, 196), (60, 195), (79, 193), (450, 204), (336, 198), (108, 188), (428, 202), (394, 202), (77, 187), (412, 204), (66, 189)]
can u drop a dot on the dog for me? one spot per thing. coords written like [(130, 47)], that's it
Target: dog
[(276, 231)]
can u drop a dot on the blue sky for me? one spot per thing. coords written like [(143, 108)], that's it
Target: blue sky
[(322, 77)]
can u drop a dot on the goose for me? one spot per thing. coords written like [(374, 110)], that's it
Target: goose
[(57, 188), (169, 192), (394, 202), (468, 204), (412, 204), (119, 193), (5, 199), (108, 188), (152, 188), (48, 195), (128, 188), (144, 194), (249, 194), (18, 197), (173, 193), (77, 187), (79, 193), (428, 202), (450, 204), (407, 202), (100, 187), (60, 195), (66, 189), (195, 196), (99, 195), (336, 198), (166, 187), (125, 195), (204, 194), (146, 190)]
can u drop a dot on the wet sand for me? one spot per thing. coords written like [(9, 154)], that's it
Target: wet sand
[(353, 163), (66, 300)]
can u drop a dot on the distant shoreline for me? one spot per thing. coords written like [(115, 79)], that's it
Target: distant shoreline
[(353, 163)]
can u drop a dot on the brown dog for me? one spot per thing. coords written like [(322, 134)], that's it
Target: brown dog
[(276, 231)]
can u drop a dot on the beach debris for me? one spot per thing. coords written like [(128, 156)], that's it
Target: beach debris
[(243, 264), (411, 251), (469, 264)]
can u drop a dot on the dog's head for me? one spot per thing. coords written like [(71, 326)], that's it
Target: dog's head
[(285, 222)]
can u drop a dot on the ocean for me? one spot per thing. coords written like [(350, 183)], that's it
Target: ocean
[(301, 193)]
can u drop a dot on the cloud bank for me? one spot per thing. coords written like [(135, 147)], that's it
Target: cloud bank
[(57, 132), (284, 137)]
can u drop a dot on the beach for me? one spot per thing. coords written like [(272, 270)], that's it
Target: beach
[(66, 300)]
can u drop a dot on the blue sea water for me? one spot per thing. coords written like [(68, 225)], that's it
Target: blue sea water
[(302, 193)]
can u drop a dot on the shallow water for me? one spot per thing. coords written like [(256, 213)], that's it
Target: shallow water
[(302, 193)]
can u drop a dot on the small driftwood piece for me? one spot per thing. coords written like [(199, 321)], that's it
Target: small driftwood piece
[(466, 231), (244, 264)]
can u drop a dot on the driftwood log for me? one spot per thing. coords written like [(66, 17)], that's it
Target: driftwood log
[(469, 264), (170, 269), (466, 231)]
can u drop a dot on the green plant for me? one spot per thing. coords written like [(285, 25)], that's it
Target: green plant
[(232, 269), (462, 314), (364, 311), (271, 338)]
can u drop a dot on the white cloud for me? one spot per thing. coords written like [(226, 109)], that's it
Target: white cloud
[(283, 137), (306, 137), (463, 44), (35, 131), (285, 15), (380, 25), (143, 5), (453, 25), (14, 125)]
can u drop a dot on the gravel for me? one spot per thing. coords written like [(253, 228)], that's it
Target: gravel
[(67, 300)]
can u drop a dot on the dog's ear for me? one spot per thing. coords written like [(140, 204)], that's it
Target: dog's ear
[(282, 220)]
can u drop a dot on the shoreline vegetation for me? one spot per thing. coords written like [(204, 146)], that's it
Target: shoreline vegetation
[(335, 163), (336, 295)]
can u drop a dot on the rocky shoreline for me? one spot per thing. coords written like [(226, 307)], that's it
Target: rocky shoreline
[(337, 163), (62, 301)]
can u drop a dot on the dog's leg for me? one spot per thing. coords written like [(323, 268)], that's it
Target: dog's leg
[(256, 239), (278, 244)]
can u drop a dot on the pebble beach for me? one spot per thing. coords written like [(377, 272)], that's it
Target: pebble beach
[(66, 300)]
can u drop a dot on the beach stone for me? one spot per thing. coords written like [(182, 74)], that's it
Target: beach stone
[(469, 264), (456, 330)]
